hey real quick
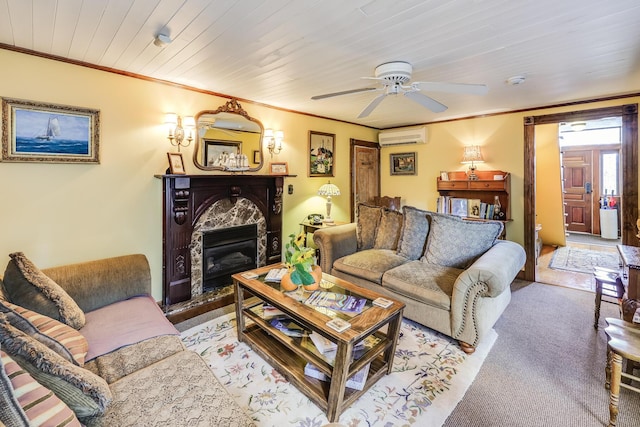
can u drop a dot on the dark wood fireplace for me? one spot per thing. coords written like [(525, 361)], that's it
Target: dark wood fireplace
[(187, 197)]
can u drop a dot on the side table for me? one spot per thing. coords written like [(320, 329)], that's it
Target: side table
[(630, 257)]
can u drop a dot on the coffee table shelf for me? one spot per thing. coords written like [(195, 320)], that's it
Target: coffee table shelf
[(289, 355)]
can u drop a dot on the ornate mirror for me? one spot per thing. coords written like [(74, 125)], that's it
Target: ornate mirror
[(227, 139)]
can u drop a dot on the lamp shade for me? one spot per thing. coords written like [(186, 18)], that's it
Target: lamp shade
[(329, 189), (472, 154)]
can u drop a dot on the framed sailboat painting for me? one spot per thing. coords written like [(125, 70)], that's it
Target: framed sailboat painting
[(51, 133)]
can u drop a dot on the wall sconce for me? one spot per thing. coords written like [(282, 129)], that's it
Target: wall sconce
[(273, 141), (471, 156), (177, 134), (328, 190)]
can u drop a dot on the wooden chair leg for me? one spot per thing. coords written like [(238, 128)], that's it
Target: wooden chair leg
[(614, 392), (598, 301), (607, 371)]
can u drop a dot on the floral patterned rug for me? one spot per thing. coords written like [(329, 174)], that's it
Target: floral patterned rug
[(430, 376), (583, 260)]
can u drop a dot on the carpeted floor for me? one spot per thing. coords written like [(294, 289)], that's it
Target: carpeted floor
[(430, 376), (547, 366), (580, 260)]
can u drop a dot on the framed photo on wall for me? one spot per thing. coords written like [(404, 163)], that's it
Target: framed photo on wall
[(216, 152), (321, 153), (49, 133), (403, 163), (176, 164)]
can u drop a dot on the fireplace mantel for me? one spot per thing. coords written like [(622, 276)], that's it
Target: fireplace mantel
[(187, 197)]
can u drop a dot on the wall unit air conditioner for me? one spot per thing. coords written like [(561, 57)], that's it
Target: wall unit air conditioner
[(403, 136)]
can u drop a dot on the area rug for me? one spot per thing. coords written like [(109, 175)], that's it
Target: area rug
[(430, 376), (582, 260)]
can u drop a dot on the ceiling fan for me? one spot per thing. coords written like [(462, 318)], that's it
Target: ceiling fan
[(395, 77)]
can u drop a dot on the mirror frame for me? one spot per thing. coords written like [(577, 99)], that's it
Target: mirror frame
[(233, 107)]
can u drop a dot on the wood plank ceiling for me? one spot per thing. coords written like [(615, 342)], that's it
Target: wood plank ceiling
[(282, 52)]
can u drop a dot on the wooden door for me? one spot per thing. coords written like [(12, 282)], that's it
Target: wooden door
[(365, 173), (577, 179)]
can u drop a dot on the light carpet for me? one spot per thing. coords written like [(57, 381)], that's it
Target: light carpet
[(582, 260), (430, 376)]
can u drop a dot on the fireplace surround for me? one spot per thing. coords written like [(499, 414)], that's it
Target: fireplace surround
[(189, 201)]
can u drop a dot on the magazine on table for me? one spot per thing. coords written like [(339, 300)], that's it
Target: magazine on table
[(357, 381), (336, 301)]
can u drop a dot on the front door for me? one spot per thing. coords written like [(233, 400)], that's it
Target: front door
[(577, 182), (365, 173)]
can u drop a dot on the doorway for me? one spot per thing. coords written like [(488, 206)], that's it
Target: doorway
[(365, 173), (629, 160)]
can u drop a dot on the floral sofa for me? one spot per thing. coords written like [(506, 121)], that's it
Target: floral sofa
[(454, 275), (86, 343)]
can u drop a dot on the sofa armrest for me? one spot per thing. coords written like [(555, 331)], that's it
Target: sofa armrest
[(335, 242), (95, 284), (488, 277)]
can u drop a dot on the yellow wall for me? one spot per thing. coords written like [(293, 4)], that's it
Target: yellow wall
[(63, 213), (549, 208)]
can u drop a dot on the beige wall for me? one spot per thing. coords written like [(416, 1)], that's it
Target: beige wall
[(63, 213)]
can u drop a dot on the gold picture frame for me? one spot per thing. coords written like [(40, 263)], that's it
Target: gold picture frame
[(279, 168), (321, 153)]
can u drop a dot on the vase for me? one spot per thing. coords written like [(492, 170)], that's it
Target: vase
[(286, 284)]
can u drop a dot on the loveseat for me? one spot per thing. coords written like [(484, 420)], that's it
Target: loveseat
[(453, 274), (92, 346)]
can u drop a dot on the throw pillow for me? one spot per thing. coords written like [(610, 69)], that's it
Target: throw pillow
[(455, 242), (62, 339), (29, 287), (84, 392), (413, 237), (367, 224), (24, 400), (388, 231)]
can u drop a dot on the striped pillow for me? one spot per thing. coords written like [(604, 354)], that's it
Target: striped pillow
[(25, 401), (62, 339)]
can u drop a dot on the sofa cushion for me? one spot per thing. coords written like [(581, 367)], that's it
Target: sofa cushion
[(368, 218), (25, 402), (388, 231), (84, 392), (29, 287), (413, 237), (427, 283), (369, 264), (131, 358), (62, 339), (178, 391), (130, 321), (454, 242)]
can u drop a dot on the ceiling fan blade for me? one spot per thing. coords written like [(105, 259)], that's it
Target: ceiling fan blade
[(425, 101), (466, 88), (372, 105), (344, 92)]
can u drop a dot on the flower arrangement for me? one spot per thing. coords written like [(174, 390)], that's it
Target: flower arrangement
[(299, 260)]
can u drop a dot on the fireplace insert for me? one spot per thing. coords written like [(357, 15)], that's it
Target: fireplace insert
[(226, 251)]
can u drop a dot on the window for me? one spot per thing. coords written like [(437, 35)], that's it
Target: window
[(609, 166)]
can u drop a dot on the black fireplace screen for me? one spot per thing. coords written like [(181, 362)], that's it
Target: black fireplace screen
[(227, 251)]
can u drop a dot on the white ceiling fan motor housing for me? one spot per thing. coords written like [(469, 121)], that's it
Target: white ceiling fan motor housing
[(398, 72)]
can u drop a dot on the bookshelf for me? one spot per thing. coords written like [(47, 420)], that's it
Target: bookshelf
[(486, 188)]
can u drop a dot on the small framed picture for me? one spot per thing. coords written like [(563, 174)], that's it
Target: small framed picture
[(278, 168), (459, 207), (256, 157), (321, 153), (473, 208), (403, 163), (176, 164), (444, 176)]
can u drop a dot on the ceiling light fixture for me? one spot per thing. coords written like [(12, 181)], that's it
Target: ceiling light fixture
[(162, 40), (516, 80)]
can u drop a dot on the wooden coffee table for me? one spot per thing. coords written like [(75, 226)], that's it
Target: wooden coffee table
[(289, 355)]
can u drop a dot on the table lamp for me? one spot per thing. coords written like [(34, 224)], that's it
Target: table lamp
[(328, 190), (472, 155)]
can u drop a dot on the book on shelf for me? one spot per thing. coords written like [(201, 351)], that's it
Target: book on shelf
[(289, 327), (336, 301), (324, 345), (356, 381), (269, 311)]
